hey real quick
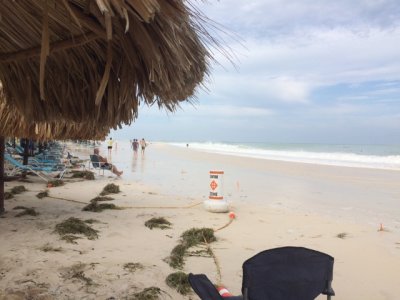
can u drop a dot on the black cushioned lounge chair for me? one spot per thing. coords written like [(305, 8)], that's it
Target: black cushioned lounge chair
[(287, 273)]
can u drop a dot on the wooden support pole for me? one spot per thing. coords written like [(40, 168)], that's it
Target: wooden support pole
[(2, 150), (26, 152)]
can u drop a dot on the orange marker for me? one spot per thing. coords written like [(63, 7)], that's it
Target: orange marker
[(223, 291)]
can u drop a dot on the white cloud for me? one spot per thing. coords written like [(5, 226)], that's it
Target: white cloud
[(223, 111), (291, 69)]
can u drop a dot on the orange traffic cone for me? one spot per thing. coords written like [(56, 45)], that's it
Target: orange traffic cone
[(223, 291)]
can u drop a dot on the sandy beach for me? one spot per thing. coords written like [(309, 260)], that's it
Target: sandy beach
[(336, 210)]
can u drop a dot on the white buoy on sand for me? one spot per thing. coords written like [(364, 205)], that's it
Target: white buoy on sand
[(216, 202)]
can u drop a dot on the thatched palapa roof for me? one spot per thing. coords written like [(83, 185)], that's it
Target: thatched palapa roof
[(86, 61), (12, 123)]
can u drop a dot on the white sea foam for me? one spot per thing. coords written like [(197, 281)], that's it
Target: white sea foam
[(324, 157)]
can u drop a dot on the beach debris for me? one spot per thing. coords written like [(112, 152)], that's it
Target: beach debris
[(200, 253), (132, 267), (77, 271), (91, 221), (342, 235), (196, 236), (49, 248), (160, 222), (70, 238), (110, 188), (55, 183), (18, 189), (26, 211), (32, 291), (88, 175), (14, 191), (68, 228), (190, 238), (43, 194), (150, 293), (8, 195), (96, 207), (102, 198), (179, 281), (81, 276)]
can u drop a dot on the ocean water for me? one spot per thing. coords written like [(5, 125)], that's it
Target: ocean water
[(364, 156)]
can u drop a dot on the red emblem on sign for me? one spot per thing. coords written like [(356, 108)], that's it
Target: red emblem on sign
[(213, 185)]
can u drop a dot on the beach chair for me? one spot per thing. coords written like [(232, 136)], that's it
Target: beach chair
[(97, 165), (287, 273), (43, 172)]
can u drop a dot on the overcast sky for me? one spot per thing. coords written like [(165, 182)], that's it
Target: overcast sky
[(306, 71)]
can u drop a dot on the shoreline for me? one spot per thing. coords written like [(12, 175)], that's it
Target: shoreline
[(368, 195)]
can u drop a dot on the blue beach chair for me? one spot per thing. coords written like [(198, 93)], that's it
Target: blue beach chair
[(44, 172)]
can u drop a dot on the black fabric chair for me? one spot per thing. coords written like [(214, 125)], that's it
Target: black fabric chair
[(287, 273)]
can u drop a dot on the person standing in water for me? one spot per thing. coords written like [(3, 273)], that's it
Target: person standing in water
[(143, 145), (135, 146), (110, 145)]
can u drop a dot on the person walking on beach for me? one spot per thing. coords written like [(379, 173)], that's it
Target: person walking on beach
[(110, 144), (104, 163), (135, 146), (143, 145)]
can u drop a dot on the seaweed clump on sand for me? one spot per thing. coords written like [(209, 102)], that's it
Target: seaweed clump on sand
[(14, 191), (49, 248), (179, 281), (26, 211), (102, 198), (18, 189), (342, 235), (94, 206), (77, 272), (8, 195), (190, 238), (161, 223), (88, 175), (110, 188), (68, 228), (55, 183), (150, 293), (43, 194), (132, 267)]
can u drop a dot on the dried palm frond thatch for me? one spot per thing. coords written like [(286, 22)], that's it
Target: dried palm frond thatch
[(81, 60), (12, 123)]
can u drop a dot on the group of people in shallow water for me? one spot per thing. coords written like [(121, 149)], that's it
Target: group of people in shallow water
[(135, 144)]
